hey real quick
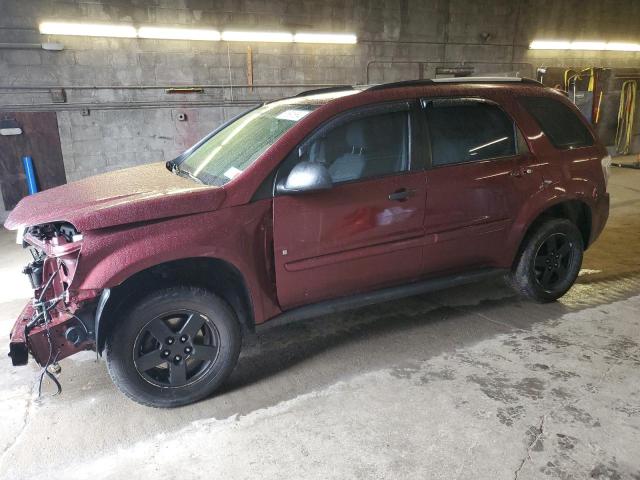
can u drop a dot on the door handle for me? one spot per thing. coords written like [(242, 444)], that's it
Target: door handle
[(401, 195), (519, 172)]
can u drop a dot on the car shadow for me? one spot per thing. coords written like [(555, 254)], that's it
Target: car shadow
[(320, 351)]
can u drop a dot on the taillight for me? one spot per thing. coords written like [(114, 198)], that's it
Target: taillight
[(606, 167)]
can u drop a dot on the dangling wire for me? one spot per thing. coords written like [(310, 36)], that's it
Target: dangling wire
[(42, 308), (50, 361), (45, 371)]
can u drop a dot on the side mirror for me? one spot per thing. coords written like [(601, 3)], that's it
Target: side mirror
[(306, 177)]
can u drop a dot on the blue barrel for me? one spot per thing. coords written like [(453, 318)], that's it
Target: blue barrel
[(29, 171)]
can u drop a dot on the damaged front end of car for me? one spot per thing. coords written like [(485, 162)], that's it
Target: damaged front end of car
[(58, 321)]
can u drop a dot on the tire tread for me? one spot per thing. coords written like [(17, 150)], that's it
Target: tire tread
[(520, 277), (128, 386)]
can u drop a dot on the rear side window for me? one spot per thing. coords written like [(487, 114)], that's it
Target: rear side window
[(559, 123), (463, 130)]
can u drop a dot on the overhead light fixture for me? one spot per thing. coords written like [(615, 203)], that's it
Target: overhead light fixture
[(588, 46), (623, 47), (174, 33), (87, 29), (179, 33), (347, 38), (584, 45), (549, 45), (257, 37)]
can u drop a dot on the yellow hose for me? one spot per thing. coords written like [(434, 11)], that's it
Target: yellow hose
[(626, 113)]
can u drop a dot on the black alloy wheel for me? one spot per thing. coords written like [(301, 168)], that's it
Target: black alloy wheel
[(549, 261), (553, 261), (176, 348)]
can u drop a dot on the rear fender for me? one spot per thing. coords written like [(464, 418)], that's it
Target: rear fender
[(581, 190)]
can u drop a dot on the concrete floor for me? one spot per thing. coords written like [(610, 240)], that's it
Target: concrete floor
[(468, 383)]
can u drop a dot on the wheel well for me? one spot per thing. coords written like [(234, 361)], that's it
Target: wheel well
[(573, 210), (215, 275)]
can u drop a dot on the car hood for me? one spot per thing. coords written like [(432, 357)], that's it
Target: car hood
[(146, 192)]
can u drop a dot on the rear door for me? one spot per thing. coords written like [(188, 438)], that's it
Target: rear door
[(471, 199), (366, 231)]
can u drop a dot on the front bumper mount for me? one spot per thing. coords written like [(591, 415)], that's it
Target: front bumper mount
[(66, 333)]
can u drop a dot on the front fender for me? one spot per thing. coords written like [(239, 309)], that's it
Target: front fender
[(111, 256)]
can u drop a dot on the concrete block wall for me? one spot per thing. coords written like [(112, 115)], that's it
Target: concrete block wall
[(121, 82), (106, 140)]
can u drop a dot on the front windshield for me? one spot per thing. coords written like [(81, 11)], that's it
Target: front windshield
[(230, 151)]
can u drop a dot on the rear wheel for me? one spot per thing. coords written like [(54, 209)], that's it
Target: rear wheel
[(174, 347), (550, 261)]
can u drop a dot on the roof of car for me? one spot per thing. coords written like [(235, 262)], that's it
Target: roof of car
[(456, 80), (322, 96), (330, 93)]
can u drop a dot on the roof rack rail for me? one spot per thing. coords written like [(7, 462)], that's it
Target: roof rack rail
[(337, 88), (435, 81), (526, 80)]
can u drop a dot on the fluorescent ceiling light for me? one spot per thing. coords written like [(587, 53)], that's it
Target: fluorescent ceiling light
[(588, 46), (257, 36), (325, 38), (549, 45), (205, 34), (87, 29), (623, 47), (179, 33), (580, 45)]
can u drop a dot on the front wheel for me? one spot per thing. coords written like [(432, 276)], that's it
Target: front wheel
[(550, 261), (174, 347)]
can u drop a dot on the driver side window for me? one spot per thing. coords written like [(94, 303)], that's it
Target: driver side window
[(364, 147)]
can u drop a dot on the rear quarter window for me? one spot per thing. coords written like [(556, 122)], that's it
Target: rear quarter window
[(559, 123)]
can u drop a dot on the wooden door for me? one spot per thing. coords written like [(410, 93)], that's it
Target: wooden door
[(40, 140)]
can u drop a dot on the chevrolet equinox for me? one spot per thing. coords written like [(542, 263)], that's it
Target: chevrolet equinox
[(329, 200)]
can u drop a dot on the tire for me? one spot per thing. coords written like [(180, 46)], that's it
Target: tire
[(549, 263), (174, 347)]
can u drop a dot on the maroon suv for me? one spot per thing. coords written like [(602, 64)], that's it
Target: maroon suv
[(326, 201)]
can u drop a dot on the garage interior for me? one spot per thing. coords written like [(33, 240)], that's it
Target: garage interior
[(470, 382)]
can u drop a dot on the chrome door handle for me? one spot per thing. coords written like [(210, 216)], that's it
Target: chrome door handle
[(401, 195)]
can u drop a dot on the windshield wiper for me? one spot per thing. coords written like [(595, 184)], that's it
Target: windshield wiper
[(173, 167)]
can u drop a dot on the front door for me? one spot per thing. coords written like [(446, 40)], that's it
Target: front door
[(366, 231)]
